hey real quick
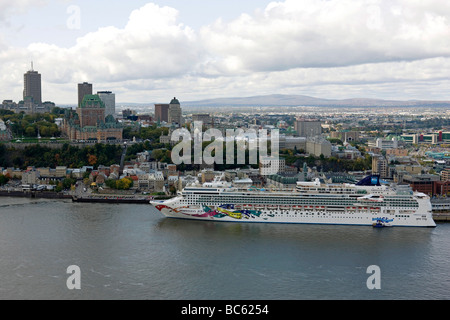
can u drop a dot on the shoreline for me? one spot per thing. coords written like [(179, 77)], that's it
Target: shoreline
[(34, 194), (127, 199)]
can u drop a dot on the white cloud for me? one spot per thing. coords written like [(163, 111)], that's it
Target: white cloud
[(313, 47), (8, 8), (152, 45), (312, 33)]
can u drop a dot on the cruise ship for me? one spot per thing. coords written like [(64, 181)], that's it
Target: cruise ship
[(367, 203)]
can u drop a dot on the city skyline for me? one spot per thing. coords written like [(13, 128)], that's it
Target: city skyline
[(148, 51)]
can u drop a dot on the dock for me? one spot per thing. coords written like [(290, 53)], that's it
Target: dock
[(35, 194), (441, 209), (113, 199)]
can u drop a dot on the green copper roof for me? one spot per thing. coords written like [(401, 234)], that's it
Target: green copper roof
[(92, 100), (174, 101)]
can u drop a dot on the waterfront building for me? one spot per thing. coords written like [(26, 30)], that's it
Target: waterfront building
[(30, 177), (425, 183), (152, 182)]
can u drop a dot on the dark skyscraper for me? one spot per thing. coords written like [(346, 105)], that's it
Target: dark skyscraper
[(83, 89), (162, 112), (32, 86)]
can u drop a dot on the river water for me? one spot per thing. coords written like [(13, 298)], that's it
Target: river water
[(132, 252)]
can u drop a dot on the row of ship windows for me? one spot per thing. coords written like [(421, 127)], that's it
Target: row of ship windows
[(317, 215), (305, 201), (312, 213), (268, 202), (311, 209)]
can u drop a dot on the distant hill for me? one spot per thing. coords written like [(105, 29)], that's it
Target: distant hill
[(301, 100)]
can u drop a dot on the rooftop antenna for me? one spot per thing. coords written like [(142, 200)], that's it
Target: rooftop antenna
[(32, 66)]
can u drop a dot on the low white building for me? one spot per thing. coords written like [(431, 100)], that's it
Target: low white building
[(30, 177), (270, 166), (153, 181)]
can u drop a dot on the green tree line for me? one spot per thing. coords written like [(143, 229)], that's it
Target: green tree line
[(28, 125), (70, 156)]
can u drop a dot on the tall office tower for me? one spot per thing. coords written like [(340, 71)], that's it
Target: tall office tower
[(83, 89), (109, 99), (308, 127), (162, 112), (32, 86), (175, 112)]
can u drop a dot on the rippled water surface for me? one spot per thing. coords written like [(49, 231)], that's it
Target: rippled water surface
[(132, 252)]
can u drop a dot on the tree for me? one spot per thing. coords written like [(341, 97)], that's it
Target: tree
[(68, 182), (92, 159), (59, 187), (172, 189), (3, 179), (30, 131), (124, 183)]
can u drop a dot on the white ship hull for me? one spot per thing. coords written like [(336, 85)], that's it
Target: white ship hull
[(361, 218)]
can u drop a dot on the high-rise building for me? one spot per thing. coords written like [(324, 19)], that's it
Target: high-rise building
[(109, 99), (83, 89), (380, 166), (175, 115), (162, 112), (32, 86), (308, 127)]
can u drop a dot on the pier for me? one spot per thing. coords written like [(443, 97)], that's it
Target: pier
[(441, 210)]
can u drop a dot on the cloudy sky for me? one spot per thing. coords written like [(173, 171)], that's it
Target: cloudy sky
[(198, 49)]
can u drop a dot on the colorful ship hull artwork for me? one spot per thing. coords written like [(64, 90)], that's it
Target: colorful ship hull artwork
[(366, 203), (223, 211)]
